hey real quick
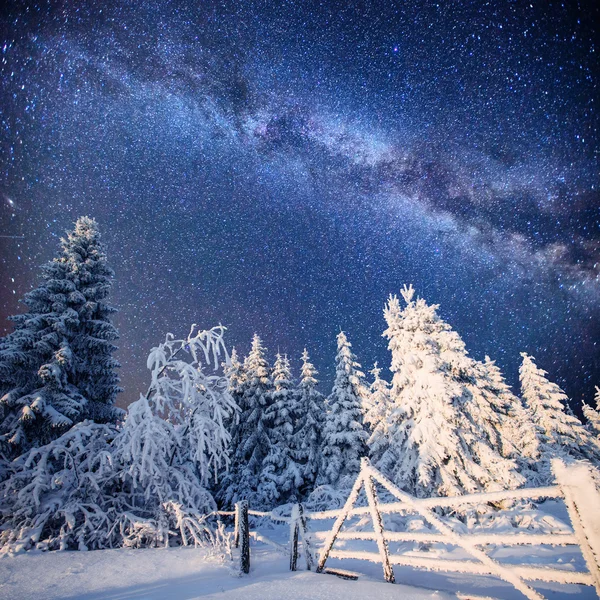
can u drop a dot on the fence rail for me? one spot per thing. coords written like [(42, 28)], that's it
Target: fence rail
[(585, 527)]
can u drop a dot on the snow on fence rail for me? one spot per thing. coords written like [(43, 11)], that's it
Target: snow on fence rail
[(574, 486)]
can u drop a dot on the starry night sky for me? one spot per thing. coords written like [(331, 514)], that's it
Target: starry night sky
[(281, 167)]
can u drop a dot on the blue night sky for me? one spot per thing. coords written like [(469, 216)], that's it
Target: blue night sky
[(282, 167)]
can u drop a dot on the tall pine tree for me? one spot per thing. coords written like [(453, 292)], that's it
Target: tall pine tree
[(281, 475), (559, 433), (234, 371), (311, 411), (56, 367), (250, 436), (434, 442), (376, 404), (344, 435), (516, 428)]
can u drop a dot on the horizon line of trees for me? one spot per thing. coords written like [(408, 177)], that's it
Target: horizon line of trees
[(446, 424), (77, 472)]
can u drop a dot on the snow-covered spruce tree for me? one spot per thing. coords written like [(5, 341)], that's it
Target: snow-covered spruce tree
[(433, 445), (56, 367), (59, 496), (311, 415), (518, 436), (282, 475), (145, 485), (516, 428), (377, 402), (485, 410), (250, 436), (344, 435), (559, 433), (593, 415), (234, 371)]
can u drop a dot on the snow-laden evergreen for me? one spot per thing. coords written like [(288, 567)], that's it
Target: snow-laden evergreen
[(592, 415), (376, 404), (517, 433), (145, 485), (282, 475), (234, 371), (517, 430), (56, 496), (434, 442), (311, 414), (56, 367), (344, 435), (559, 433), (250, 435)]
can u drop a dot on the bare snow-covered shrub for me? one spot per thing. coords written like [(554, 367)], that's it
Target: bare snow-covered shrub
[(174, 442)]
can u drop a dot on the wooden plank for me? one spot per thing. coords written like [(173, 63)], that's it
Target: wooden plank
[(586, 550), (236, 526), (509, 539), (541, 492), (339, 522), (394, 507), (265, 540), (269, 515), (471, 567), (518, 539), (308, 553), (552, 575), (382, 546), (342, 573), (294, 535), (453, 537)]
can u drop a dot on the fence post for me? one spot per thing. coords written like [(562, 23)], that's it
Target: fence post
[(382, 544), (236, 526), (242, 534), (582, 501), (305, 538), (294, 534)]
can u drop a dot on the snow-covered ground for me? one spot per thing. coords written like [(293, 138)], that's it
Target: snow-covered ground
[(188, 573), (180, 574)]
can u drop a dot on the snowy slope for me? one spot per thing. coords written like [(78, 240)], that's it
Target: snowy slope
[(179, 574), (187, 573)]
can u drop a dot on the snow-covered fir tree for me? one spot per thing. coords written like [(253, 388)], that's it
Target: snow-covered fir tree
[(559, 433), (485, 410), (282, 475), (311, 411), (376, 403), (592, 415), (61, 495), (344, 435), (234, 371), (144, 485), (250, 436), (433, 442), (56, 367), (517, 433)]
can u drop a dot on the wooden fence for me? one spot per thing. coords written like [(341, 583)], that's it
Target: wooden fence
[(575, 492)]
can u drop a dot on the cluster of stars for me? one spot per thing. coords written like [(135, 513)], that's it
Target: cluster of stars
[(283, 167)]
